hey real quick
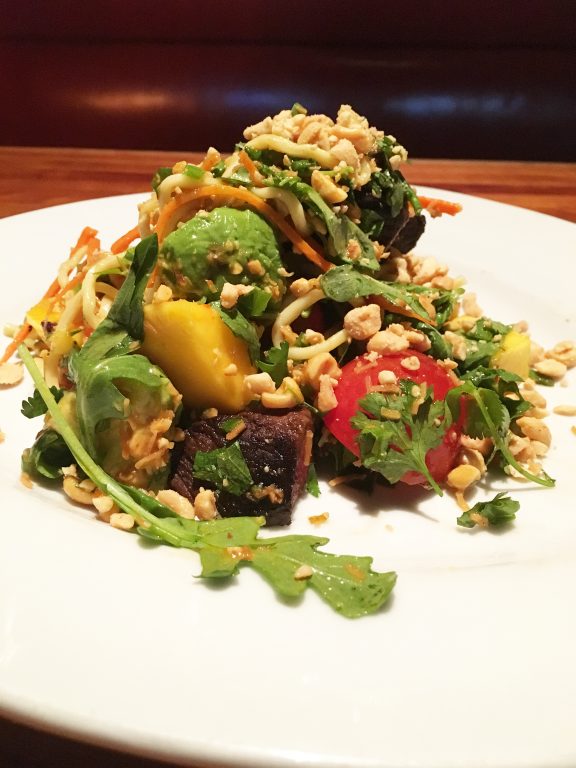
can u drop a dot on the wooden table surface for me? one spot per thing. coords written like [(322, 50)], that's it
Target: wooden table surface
[(33, 178)]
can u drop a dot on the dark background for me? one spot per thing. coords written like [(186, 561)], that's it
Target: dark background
[(453, 79)]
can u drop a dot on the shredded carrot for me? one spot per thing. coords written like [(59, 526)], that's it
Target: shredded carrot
[(123, 242), (250, 165), (85, 236), (72, 283), (219, 190), (438, 207), (21, 336)]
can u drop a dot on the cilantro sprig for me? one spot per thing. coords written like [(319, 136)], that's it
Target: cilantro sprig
[(396, 431), (497, 512)]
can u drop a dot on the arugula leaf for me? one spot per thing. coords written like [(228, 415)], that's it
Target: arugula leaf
[(487, 416), (346, 583), (47, 456), (504, 383), (346, 283), (276, 363), (498, 511), (105, 371), (34, 405), (225, 468), (312, 486), (240, 327), (392, 439)]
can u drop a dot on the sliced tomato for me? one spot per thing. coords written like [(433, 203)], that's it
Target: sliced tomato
[(360, 374)]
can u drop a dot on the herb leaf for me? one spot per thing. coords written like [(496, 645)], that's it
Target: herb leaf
[(312, 486), (34, 405), (240, 327), (47, 456), (345, 283), (276, 363), (225, 468), (487, 416), (393, 440), (498, 511)]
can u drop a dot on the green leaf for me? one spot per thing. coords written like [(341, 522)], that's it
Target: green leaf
[(47, 456), (110, 380), (343, 284), (276, 363), (240, 327), (225, 468), (487, 416), (539, 378), (34, 405), (312, 486), (255, 303), (393, 446), (229, 424), (497, 512), (159, 176), (347, 583)]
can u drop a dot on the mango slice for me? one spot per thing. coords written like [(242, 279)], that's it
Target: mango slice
[(514, 354), (197, 352), (40, 313)]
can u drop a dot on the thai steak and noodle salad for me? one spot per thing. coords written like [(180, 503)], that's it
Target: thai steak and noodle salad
[(265, 320)]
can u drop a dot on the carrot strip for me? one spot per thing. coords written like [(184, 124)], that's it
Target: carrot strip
[(437, 207), (21, 336), (250, 165), (85, 236), (123, 242), (240, 193)]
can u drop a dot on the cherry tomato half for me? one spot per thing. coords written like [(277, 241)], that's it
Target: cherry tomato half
[(359, 374)]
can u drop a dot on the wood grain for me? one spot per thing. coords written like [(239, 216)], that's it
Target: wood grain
[(33, 178)]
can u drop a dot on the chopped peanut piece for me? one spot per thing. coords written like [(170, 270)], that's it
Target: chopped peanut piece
[(463, 476), (363, 322)]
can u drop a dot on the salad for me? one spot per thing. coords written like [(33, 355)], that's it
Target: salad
[(266, 322)]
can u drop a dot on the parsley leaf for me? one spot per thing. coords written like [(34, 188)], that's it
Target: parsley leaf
[(240, 327), (276, 363), (35, 406), (225, 468), (498, 511), (394, 440)]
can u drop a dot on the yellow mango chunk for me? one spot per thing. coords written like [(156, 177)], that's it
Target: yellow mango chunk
[(198, 352), (40, 313), (514, 354)]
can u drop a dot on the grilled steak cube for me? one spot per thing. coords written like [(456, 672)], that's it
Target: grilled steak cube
[(276, 448)]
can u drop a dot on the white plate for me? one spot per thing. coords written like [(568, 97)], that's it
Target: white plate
[(471, 664)]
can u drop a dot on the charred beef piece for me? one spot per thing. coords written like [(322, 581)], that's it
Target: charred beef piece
[(275, 446)]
